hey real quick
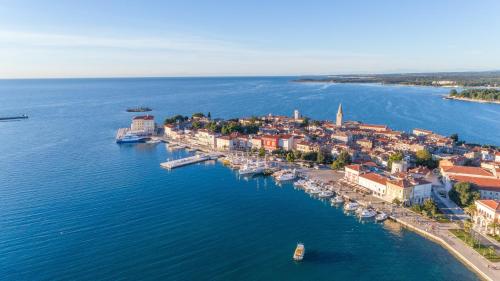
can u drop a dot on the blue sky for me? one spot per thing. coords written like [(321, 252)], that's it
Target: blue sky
[(206, 38)]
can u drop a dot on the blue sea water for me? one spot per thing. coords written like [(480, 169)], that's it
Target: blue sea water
[(76, 206)]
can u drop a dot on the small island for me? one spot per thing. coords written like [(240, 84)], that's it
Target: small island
[(139, 109), (485, 95)]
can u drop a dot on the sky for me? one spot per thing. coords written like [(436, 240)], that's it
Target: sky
[(108, 38)]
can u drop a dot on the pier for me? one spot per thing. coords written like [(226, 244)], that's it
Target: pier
[(188, 160)]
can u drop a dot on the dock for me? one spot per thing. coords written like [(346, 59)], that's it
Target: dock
[(188, 161)]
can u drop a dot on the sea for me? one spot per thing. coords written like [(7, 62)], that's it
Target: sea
[(74, 205)]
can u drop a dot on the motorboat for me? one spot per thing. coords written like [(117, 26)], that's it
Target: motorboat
[(298, 255), (325, 194), (351, 206), (130, 138), (337, 200), (367, 213), (287, 176), (381, 217), (314, 191)]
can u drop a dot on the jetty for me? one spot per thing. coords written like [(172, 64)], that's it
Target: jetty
[(6, 118), (188, 160)]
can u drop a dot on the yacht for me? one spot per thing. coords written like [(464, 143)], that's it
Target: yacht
[(381, 217), (337, 200), (325, 194), (298, 255), (248, 170), (367, 213), (314, 191), (286, 176), (351, 206), (130, 138)]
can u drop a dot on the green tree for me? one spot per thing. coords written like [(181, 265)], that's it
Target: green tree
[(463, 194), (453, 92), (342, 160), (429, 207), (310, 156), (297, 154), (454, 137), (320, 157), (290, 157), (395, 157), (396, 201), (424, 158), (262, 152), (175, 119), (198, 115), (209, 115), (196, 124)]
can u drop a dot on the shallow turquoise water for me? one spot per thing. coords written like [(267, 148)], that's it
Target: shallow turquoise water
[(76, 206)]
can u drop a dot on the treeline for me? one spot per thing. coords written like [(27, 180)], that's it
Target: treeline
[(477, 94)]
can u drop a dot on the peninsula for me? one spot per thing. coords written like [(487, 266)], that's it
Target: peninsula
[(476, 95), (438, 79)]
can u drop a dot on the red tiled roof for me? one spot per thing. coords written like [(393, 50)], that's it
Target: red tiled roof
[(375, 177), (481, 183), (477, 171), (144, 117), (355, 167), (492, 204)]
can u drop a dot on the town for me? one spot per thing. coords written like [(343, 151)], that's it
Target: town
[(437, 177)]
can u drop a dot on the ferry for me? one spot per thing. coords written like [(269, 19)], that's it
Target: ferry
[(24, 116), (130, 138), (298, 255)]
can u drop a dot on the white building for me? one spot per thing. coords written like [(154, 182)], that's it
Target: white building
[(286, 142), (206, 138), (487, 212), (225, 143), (143, 124), (374, 182), (352, 173)]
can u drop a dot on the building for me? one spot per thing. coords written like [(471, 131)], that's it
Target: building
[(340, 116), (286, 142), (422, 132), (256, 142), (352, 173), (408, 190), (306, 147), (206, 138), (342, 137), (296, 114), (225, 143), (270, 142), (376, 183), (143, 124), (487, 212), (376, 128), (399, 167)]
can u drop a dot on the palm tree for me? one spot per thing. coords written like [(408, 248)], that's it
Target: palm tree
[(494, 225), (471, 210)]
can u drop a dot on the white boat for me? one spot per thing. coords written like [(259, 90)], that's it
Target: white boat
[(314, 191), (153, 141), (130, 138), (381, 217), (337, 200), (367, 213), (325, 194), (351, 206), (286, 177), (300, 250), (300, 183)]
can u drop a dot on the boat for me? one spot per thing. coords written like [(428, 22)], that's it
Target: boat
[(381, 217), (367, 213), (337, 200), (130, 138), (314, 191), (249, 170), (153, 141), (286, 176), (299, 183), (298, 255), (351, 206), (24, 116), (325, 194), (138, 109)]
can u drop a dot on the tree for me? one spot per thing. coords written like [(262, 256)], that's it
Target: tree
[(395, 157), (310, 156), (396, 201), (196, 124), (429, 207), (262, 152), (320, 157), (198, 115), (453, 92), (470, 210), (290, 157), (209, 115), (424, 158), (454, 137), (297, 154), (342, 160), (175, 119), (463, 194)]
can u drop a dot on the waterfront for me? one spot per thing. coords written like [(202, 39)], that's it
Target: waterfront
[(77, 206)]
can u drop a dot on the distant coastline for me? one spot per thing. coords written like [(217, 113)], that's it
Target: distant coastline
[(470, 100)]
